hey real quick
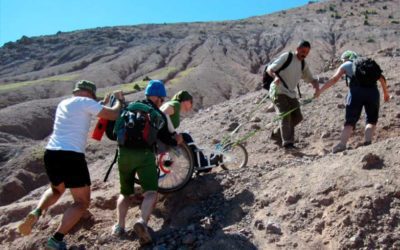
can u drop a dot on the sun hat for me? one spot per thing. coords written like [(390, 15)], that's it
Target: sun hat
[(182, 96), (85, 85)]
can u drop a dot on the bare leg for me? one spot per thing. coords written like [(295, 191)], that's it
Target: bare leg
[(140, 227), (51, 196), (74, 213), (344, 137), (122, 209), (148, 204), (48, 198), (346, 133), (369, 132)]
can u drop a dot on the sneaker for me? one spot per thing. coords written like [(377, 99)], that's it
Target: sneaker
[(117, 230), (53, 244), (338, 148), (143, 233), (25, 227)]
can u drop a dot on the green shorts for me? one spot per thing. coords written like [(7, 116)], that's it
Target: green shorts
[(140, 161)]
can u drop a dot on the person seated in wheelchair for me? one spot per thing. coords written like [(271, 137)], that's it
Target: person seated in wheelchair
[(182, 102)]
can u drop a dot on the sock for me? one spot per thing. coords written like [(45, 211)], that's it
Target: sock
[(369, 133), (58, 236), (37, 212), (140, 220)]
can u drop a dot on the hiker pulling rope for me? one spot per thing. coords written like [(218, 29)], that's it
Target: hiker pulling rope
[(228, 138)]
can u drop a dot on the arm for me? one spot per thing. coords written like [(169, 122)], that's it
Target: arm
[(170, 125), (276, 65), (315, 84), (334, 79), (308, 77), (165, 135), (386, 96), (112, 113), (168, 110)]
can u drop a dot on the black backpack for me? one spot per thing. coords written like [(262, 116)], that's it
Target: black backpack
[(110, 131), (137, 126), (267, 79), (365, 72)]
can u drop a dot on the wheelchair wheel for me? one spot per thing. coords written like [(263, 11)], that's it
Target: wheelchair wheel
[(234, 156), (175, 168)]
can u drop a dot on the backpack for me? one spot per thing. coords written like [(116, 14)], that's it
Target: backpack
[(267, 79), (110, 131), (365, 72), (138, 126)]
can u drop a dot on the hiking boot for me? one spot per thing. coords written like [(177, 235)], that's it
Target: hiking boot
[(366, 143), (215, 159), (25, 227), (338, 148), (276, 136), (270, 108), (143, 233), (117, 230), (289, 146), (53, 244)]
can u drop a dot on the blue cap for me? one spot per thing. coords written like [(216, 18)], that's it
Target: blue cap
[(155, 88)]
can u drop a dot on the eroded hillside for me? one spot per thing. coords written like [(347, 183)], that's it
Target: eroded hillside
[(307, 199)]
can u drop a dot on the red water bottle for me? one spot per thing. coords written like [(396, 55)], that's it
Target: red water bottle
[(100, 128)]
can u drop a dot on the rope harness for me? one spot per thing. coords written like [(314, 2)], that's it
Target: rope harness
[(228, 139)]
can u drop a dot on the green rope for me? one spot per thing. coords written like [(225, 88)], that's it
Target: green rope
[(228, 138)]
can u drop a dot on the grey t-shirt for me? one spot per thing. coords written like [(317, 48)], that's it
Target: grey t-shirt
[(348, 68), (291, 75)]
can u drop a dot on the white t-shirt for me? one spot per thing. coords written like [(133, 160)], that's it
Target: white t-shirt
[(291, 75), (72, 123)]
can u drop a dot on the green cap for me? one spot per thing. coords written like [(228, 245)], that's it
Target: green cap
[(348, 55), (85, 85), (182, 96)]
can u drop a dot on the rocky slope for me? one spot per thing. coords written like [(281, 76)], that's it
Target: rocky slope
[(304, 199)]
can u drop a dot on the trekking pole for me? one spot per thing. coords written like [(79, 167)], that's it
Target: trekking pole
[(111, 166)]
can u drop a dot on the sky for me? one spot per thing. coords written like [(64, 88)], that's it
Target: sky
[(47, 17)]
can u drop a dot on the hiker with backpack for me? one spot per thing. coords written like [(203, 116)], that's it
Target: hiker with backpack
[(363, 92), (140, 124), (182, 102), (286, 71), (64, 158)]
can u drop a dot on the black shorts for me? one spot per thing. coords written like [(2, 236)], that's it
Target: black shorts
[(66, 167), (359, 97)]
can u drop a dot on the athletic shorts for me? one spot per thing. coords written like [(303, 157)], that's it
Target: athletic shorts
[(360, 97), (66, 167), (137, 161)]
